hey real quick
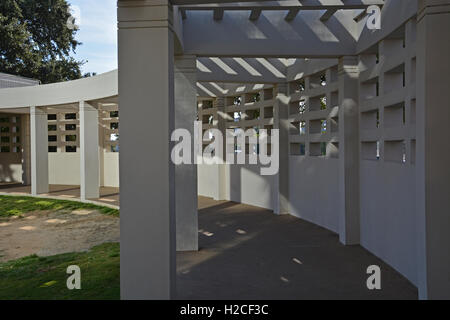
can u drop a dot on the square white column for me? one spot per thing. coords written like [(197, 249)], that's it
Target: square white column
[(349, 157), (186, 174), (281, 122), (89, 152), (147, 174), (39, 151), (432, 149)]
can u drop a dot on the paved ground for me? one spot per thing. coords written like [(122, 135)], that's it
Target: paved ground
[(250, 253)]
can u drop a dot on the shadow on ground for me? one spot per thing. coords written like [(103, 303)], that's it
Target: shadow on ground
[(250, 253)]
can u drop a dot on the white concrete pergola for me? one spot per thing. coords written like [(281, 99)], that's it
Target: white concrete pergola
[(171, 52)]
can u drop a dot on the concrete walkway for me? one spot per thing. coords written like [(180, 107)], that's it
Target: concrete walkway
[(249, 253)]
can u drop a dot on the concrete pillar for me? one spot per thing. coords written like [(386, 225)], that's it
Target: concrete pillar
[(89, 153), (147, 174), (433, 152), (349, 145), (26, 149), (281, 122), (222, 168), (186, 174), (39, 151)]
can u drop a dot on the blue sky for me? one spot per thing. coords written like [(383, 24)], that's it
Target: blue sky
[(98, 33)]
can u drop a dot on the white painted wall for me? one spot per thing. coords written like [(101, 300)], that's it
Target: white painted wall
[(388, 214), (314, 190), (64, 168), (208, 180), (245, 184), (10, 167), (111, 169)]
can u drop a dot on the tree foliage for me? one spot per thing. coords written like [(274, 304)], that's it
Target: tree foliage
[(35, 41)]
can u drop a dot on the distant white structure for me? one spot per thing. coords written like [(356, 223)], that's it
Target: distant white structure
[(11, 81), (363, 118)]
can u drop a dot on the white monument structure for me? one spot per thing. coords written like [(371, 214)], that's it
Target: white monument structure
[(363, 116)]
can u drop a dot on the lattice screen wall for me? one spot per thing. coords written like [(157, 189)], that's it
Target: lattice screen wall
[(313, 115), (109, 121), (251, 110), (10, 136), (388, 98), (64, 130)]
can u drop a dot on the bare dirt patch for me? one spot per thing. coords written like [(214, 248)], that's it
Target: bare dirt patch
[(47, 233)]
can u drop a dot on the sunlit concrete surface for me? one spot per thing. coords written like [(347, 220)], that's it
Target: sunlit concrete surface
[(108, 195), (250, 253)]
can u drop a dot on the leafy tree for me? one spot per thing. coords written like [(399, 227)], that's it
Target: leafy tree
[(36, 42)]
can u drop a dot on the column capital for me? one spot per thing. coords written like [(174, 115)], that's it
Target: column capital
[(185, 64), (219, 102), (427, 7), (83, 105), (136, 14), (36, 111), (348, 65), (282, 88)]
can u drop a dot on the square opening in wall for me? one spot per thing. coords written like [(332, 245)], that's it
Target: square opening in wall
[(71, 138), (394, 79), (5, 149), (70, 127), (114, 137), (370, 150), (394, 115), (70, 116), (52, 138), (207, 119), (51, 117), (297, 149), (370, 119), (395, 151), (318, 149), (268, 112), (114, 125), (52, 149), (318, 126), (297, 86), (52, 127), (114, 114), (71, 149), (318, 103), (253, 114)]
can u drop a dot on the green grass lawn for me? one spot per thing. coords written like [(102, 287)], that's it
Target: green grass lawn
[(45, 278), (17, 206)]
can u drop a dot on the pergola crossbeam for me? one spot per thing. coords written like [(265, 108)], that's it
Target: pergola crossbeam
[(293, 12), (327, 15), (218, 13), (255, 14), (286, 5)]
